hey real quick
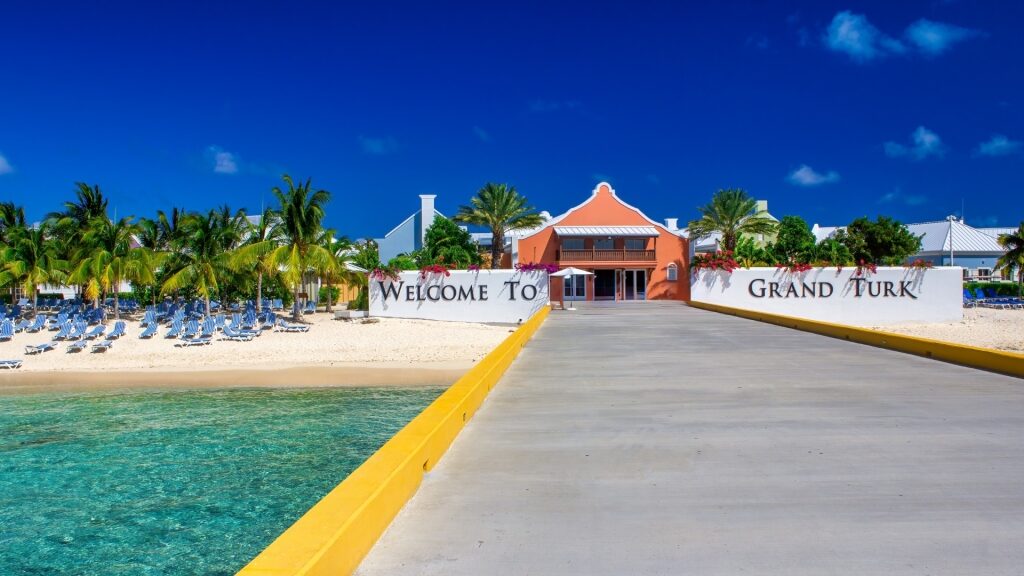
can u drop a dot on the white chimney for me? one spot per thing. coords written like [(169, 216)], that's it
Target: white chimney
[(426, 214), (672, 224)]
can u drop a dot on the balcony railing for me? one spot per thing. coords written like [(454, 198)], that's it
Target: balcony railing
[(597, 255)]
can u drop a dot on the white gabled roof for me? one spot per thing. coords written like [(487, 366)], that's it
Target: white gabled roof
[(945, 234), (630, 231)]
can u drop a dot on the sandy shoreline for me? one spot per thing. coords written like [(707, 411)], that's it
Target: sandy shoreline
[(981, 327), (390, 352)]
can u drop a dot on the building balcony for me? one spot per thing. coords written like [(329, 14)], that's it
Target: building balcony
[(598, 255)]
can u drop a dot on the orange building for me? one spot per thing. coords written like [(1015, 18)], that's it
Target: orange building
[(632, 257)]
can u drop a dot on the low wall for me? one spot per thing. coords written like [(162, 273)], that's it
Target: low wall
[(500, 296), (888, 296), (982, 358), (336, 533)]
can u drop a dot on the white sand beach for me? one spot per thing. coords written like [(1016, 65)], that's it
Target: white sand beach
[(982, 327), (333, 353)]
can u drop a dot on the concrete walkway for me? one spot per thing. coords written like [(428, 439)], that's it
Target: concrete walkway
[(653, 438)]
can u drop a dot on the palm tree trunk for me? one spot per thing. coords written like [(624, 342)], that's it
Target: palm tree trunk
[(259, 292), (35, 302), (295, 304), (330, 296), (497, 247), (117, 309), (207, 300)]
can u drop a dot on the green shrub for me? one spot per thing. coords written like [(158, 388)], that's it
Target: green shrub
[(1001, 288), (335, 292)]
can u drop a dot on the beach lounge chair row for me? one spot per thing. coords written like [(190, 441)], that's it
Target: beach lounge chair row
[(82, 345), (10, 364), (988, 298)]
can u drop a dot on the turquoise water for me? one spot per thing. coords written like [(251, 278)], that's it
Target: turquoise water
[(186, 482)]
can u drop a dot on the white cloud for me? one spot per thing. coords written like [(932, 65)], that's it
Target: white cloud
[(999, 145), (807, 176), (925, 143), (224, 162), (5, 166), (378, 146), (934, 38), (854, 36), (481, 134)]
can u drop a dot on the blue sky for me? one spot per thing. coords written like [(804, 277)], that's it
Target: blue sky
[(828, 110)]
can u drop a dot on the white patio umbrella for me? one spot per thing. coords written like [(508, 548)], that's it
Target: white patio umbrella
[(572, 273)]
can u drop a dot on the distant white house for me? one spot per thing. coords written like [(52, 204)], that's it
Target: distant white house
[(408, 236)]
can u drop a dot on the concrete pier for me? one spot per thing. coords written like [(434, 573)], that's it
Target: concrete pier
[(653, 438)]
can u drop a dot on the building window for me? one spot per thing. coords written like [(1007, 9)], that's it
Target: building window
[(984, 273), (604, 244), (575, 287), (636, 243), (572, 244), (967, 273), (672, 273)]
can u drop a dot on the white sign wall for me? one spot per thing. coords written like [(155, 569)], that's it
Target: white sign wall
[(887, 296), (499, 296)]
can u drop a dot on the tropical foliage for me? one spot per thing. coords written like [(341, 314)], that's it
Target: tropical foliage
[(884, 242), (216, 254), (731, 213), (499, 208), (1014, 257), (447, 244)]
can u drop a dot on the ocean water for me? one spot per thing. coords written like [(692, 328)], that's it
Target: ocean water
[(184, 482)]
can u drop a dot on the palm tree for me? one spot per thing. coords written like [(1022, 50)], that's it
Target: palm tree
[(11, 217), (204, 255), (342, 253), (1014, 257), (302, 214), (500, 208), (730, 212), (30, 258), (89, 203), (261, 237), (112, 258)]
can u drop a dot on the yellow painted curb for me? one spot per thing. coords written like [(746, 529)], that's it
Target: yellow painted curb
[(983, 358), (339, 530)]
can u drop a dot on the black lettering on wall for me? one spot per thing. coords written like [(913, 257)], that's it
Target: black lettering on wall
[(390, 289), (757, 292), (532, 294)]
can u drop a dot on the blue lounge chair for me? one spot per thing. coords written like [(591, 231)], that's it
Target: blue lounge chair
[(10, 364), (38, 325), (102, 346), (21, 325), (209, 328), (231, 334), (77, 346), (117, 332), (191, 330), (94, 333), (175, 330), (77, 331), (39, 348), (194, 342), (286, 327), (148, 332), (6, 330), (64, 331), (310, 308)]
